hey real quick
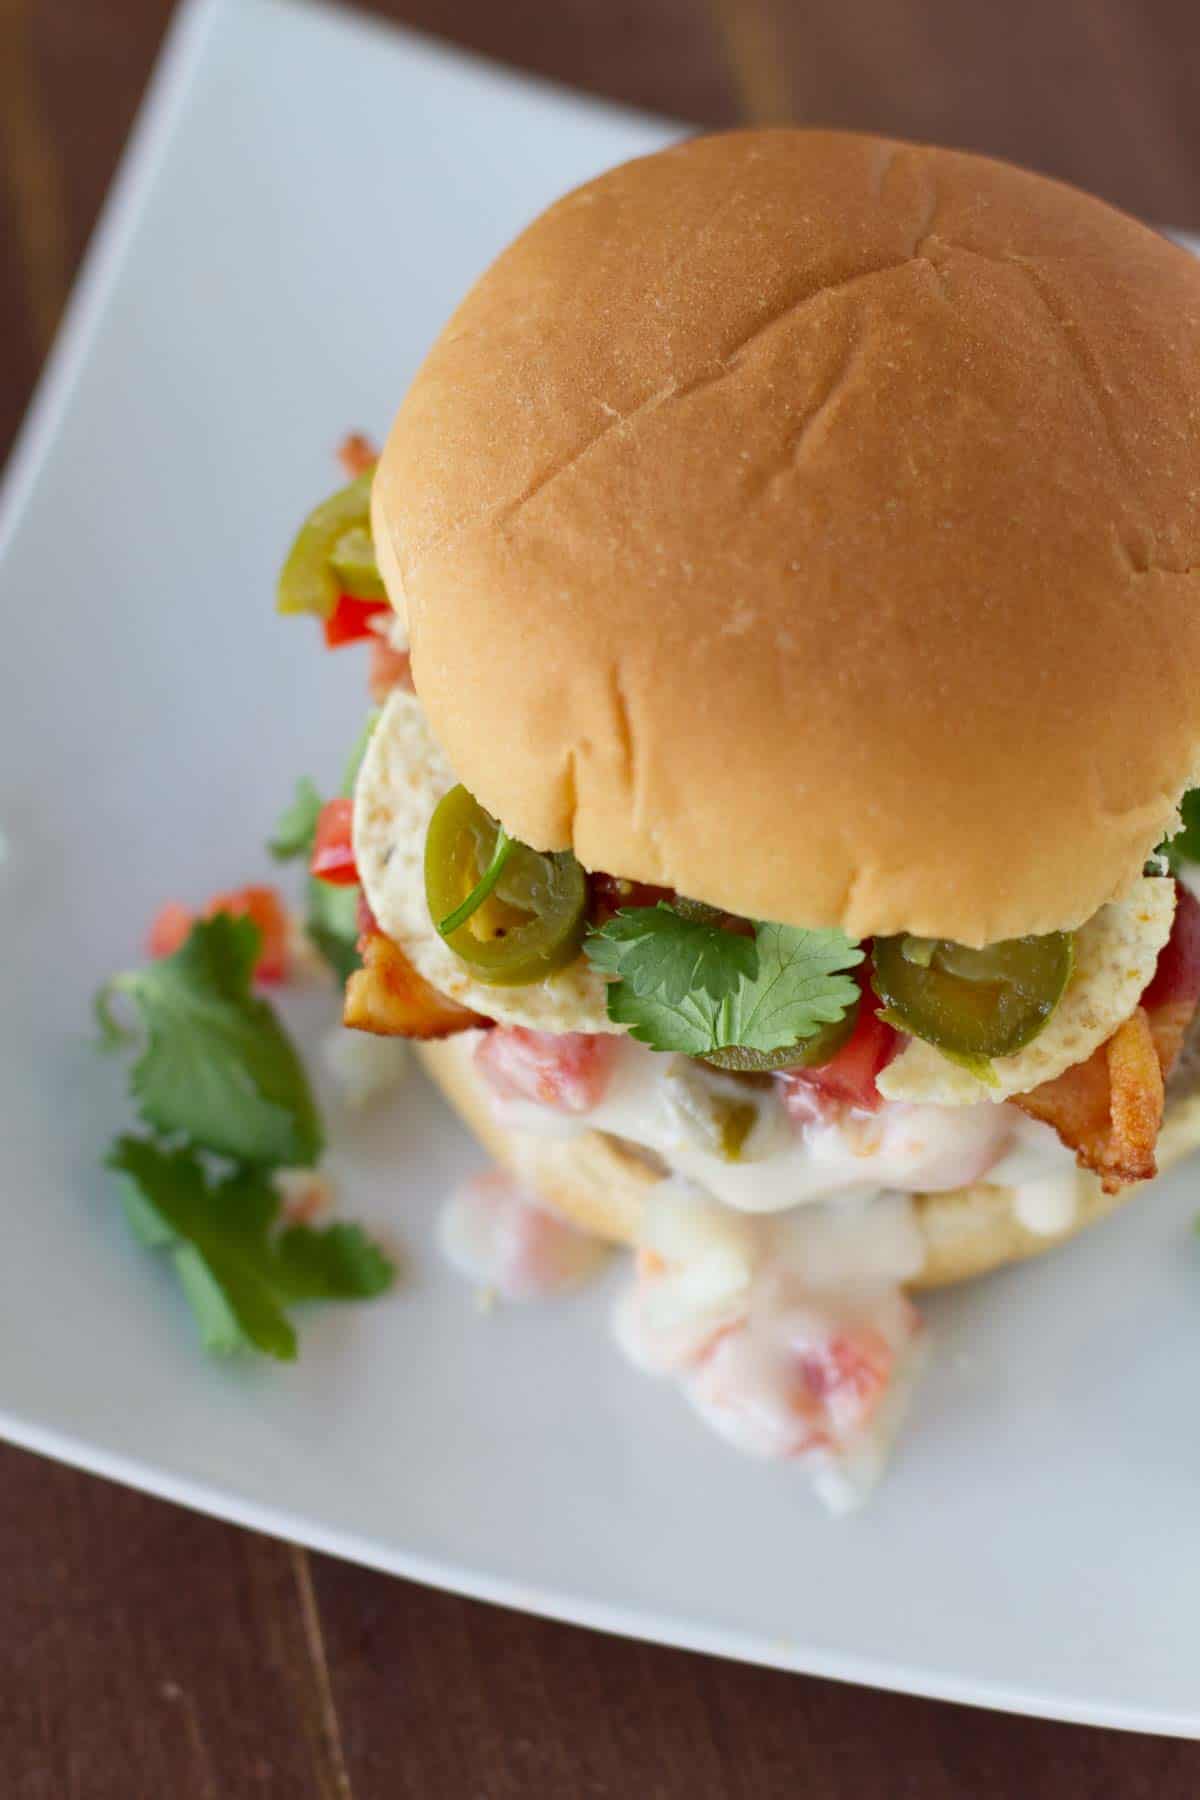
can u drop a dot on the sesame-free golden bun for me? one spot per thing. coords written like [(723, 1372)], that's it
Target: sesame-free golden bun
[(600, 1183), (811, 523)]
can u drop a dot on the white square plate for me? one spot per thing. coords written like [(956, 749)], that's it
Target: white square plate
[(306, 197)]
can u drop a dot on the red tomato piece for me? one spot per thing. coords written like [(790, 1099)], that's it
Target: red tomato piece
[(350, 620), (333, 851), (848, 1078), (264, 906), (169, 928), (172, 923), (1177, 976), (357, 454), (846, 1376), (567, 1071), (387, 669)]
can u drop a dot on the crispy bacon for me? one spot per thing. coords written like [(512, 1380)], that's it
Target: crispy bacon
[(1109, 1109), (388, 997), (357, 454)]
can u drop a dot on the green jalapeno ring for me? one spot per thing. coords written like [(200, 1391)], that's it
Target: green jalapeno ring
[(531, 920), (353, 563), (307, 581), (973, 1004), (479, 893)]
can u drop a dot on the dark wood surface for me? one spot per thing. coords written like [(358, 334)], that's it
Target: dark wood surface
[(147, 1652)]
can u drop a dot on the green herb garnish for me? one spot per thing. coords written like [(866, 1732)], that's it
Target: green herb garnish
[(331, 925), (293, 835), (216, 1065), (237, 1269), (222, 1089), (688, 985), (1184, 847)]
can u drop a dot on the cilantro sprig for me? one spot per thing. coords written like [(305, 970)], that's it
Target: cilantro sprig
[(219, 1086), (685, 984), (1184, 847), (238, 1270), (216, 1065)]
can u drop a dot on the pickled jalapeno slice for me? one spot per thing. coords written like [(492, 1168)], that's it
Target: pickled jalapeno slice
[(308, 581), (973, 1003), (527, 908), (354, 566)]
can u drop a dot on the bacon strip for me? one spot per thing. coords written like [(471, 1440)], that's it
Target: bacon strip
[(388, 997), (1109, 1109)]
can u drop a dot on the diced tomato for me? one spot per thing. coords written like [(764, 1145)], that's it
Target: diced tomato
[(357, 454), (500, 1234), (264, 906), (169, 928), (333, 850), (567, 1071), (386, 669), (1177, 976), (172, 923), (350, 620), (846, 1375), (848, 1078)]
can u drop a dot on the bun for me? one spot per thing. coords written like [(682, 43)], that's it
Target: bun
[(599, 1182), (811, 523)]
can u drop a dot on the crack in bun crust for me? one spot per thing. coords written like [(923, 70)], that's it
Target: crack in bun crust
[(776, 433)]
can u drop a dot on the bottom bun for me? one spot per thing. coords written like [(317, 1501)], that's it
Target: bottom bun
[(599, 1182)]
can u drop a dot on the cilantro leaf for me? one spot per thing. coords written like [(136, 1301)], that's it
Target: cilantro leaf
[(237, 1272), (657, 952), (689, 1025), (337, 1262), (332, 924), (297, 826), (216, 1066), (794, 982), (801, 985), (1184, 847)]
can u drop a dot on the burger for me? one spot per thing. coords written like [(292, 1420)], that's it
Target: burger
[(783, 578)]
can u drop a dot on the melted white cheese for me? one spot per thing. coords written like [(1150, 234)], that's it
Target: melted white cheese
[(788, 1162), (1047, 1188), (504, 1240), (789, 1334)]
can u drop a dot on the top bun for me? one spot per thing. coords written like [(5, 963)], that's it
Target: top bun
[(811, 523)]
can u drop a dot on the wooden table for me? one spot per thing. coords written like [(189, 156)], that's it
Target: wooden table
[(146, 1652)]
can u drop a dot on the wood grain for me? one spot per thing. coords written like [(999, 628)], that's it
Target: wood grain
[(148, 1652)]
